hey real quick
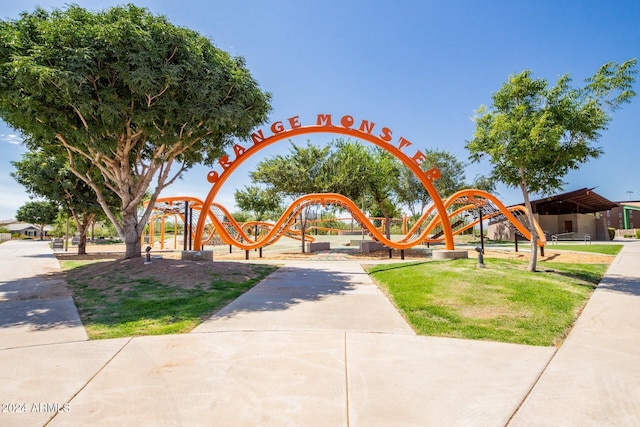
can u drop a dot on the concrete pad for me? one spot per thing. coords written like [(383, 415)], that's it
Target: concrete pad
[(425, 381), (370, 246), (197, 255), (38, 380), (449, 254), (585, 386), (337, 296), (318, 246), (226, 379)]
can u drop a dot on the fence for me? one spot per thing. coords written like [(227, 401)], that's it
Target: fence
[(4, 237), (629, 232)]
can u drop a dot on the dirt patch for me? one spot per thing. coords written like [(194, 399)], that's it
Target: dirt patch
[(550, 256), (173, 272)]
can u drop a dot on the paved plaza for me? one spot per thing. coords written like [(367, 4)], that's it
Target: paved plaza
[(314, 344)]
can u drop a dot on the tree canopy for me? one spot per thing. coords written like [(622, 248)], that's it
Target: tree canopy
[(343, 166), (47, 175), (264, 203), (38, 212), (412, 192), (127, 91), (534, 134)]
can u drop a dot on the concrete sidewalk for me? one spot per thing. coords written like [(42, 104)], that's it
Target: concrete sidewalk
[(311, 296), (36, 308), (594, 379), (318, 344)]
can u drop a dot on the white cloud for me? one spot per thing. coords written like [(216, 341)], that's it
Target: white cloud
[(11, 138)]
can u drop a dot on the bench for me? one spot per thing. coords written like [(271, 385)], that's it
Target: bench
[(57, 244), (581, 237)]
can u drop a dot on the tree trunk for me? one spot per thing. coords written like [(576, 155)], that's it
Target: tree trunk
[(303, 226), (533, 260), (82, 222), (82, 241), (387, 227), (131, 237)]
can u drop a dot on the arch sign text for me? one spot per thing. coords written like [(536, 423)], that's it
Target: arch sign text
[(294, 126)]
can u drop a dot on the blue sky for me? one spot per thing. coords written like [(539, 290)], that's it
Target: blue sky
[(418, 67)]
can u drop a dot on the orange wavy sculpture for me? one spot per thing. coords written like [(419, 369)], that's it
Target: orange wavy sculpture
[(363, 130), (232, 233), (216, 220)]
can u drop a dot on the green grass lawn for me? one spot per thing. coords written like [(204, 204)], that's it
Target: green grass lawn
[(598, 248), (117, 303), (502, 302)]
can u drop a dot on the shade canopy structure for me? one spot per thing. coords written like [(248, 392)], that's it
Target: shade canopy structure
[(581, 201)]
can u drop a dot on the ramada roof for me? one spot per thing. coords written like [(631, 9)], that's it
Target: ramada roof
[(584, 200)]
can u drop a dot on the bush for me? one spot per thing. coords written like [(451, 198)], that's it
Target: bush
[(612, 233), (637, 234)]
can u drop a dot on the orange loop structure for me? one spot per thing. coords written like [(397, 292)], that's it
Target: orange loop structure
[(325, 125), (232, 233), (440, 222)]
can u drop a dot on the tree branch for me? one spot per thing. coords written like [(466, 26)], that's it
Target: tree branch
[(84, 122)]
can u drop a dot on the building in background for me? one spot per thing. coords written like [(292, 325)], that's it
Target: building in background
[(581, 211), (25, 229)]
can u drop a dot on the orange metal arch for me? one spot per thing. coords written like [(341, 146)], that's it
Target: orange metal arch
[(424, 177)]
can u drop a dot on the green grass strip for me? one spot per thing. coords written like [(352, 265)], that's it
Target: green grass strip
[(598, 248), (502, 302), (145, 306)]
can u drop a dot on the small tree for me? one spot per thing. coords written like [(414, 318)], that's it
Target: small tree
[(303, 171), (48, 175), (411, 191), (383, 172), (262, 202), (533, 135), (128, 92), (39, 213), (485, 183), (369, 173)]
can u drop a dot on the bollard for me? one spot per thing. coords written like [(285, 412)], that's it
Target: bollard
[(148, 257), (480, 257)]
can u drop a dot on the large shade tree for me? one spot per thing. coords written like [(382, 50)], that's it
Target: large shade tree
[(534, 134), (139, 98)]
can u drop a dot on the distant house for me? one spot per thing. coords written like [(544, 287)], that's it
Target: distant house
[(25, 229), (579, 211)]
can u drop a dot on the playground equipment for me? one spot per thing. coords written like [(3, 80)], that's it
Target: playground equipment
[(221, 228), (439, 223)]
